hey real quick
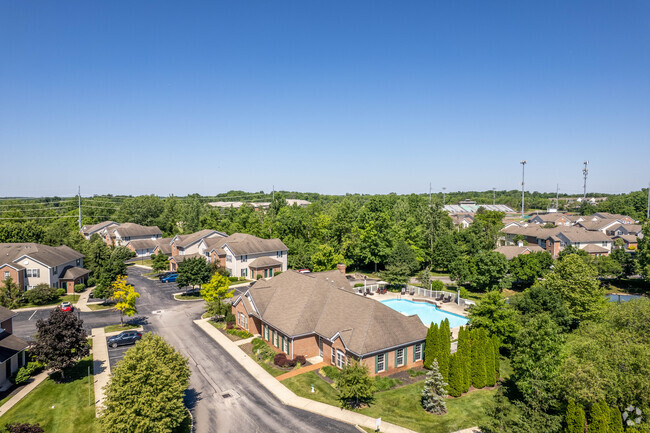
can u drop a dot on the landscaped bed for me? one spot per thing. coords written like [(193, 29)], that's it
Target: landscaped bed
[(100, 306), (65, 298), (118, 327), (261, 353), (232, 332)]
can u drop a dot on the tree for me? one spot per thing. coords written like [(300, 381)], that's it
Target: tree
[(490, 367), (445, 251), (539, 299), (10, 294), (396, 274), (402, 255), (443, 349), (193, 272), (527, 268), (355, 385), (431, 344), (575, 418), (41, 294), (461, 270), (159, 262), (424, 277), (478, 358), (496, 316), (608, 266), (434, 392), (60, 340), (456, 380), (599, 418), (576, 282), (125, 296), (217, 289), (490, 267), (615, 420), (643, 252), (23, 428), (465, 355), (160, 375), (325, 259)]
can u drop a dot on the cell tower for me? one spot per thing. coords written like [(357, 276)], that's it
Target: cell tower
[(585, 172)]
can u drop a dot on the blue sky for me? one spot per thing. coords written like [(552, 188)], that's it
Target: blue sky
[(332, 97)]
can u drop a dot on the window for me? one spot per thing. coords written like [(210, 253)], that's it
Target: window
[(54, 269), (7, 274), (228, 258), (286, 345), (242, 320), (244, 272), (333, 355), (399, 357), (266, 332), (35, 273), (380, 363), (340, 359), (417, 352), (244, 259), (275, 339), (279, 254), (78, 262)]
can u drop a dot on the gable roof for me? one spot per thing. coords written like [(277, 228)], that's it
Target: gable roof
[(591, 248), (628, 238), (581, 235), (45, 254), (614, 216), (94, 228), (512, 251), (165, 245), (184, 241), (10, 345), (549, 217), (241, 243), (132, 230), (263, 262), (73, 272), (143, 244), (324, 303), (6, 313), (598, 224)]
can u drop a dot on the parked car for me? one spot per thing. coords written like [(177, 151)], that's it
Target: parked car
[(66, 306), (124, 338), (171, 278)]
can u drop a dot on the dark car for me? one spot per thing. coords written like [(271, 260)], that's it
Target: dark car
[(124, 338), (169, 278)]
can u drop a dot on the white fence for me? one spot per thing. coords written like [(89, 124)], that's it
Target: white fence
[(439, 295)]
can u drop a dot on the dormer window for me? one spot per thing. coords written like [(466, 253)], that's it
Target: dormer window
[(244, 259), (279, 254)]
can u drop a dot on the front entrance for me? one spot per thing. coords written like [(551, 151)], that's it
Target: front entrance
[(320, 347)]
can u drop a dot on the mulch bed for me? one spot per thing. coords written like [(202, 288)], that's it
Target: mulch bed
[(406, 378)]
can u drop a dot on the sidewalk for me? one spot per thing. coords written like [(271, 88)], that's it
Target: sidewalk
[(36, 380), (285, 395), (82, 302), (301, 370), (101, 367)]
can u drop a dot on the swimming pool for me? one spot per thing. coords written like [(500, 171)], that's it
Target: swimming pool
[(426, 312)]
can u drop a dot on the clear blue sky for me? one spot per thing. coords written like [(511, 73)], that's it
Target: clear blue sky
[(134, 97)]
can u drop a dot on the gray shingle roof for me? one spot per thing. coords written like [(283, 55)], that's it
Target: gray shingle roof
[(73, 272), (512, 251), (94, 228), (5, 313), (49, 256), (10, 345), (241, 243), (324, 303), (131, 230), (184, 241), (143, 244), (263, 262)]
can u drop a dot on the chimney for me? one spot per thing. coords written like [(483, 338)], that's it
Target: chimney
[(341, 267), (520, 243)]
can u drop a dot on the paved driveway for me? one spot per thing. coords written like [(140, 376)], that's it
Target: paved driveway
[(115, 355)]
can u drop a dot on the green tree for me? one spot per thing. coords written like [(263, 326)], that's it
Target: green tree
[(159, 262), (16, 232), (160, 375), (445, 251), (443, 349), (599, 414), (464, 352), (424, 277), (10, 294), (355, 385), (60, 340), (402, 255), (325, 259), (527, 268), (643, 252), (576, 282), (193, 272), (462, 270), (456, 379), (397, 274), (215, 291), (490, 367), (615, 420), (539, 299), (431, 344), (490, 267), (125, 297), (496, 346), (496, 316), (434, 392), (575, 418), (478, 358), (608, 266)]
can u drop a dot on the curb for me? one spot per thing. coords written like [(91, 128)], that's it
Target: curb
[(185, 300), (110, 334)]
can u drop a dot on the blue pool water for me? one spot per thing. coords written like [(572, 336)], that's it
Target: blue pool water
[(622, 298), (426, 312)]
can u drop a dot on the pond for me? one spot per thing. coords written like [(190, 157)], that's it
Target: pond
[(622, 297)]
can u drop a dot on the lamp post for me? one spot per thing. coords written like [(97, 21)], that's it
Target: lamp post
[(585, 172), (443, 195), (523, 167), (494, 196)]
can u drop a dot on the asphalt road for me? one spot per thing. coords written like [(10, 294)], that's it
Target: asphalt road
[(222, 396)]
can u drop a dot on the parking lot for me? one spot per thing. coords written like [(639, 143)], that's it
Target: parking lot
[(115, 355)]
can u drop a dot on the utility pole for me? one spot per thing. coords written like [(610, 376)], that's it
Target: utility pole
[(273, 196), (585, 172), (429, 193), (523, 167), (647, 213), (494, 196), (443, 195), (79, 207), (557, 196)]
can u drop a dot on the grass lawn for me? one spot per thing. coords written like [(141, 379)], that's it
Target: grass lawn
[(147, 262), (301, 385), (71, 412), (64, 298), (96, 307), (126, 327), (275, 372)]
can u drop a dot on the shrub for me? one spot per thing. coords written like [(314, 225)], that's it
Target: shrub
[(279, 358), (386, 383), (90, 282), (24, 373), (262, 349), (230, 325), (41, 295), (358, 285), (230, 318), (416, 373), (259, 277), (331, 372), (300, 359), (277, 273), (233, 279), (78, 288), (242, 333), (60, 292), (437, 285)]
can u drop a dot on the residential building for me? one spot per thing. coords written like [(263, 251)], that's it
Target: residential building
[(257, 205), (556, 239), (513, 251), (183, 247), (88, 230), (601, 225), (124, 233), (462, 220), (319, 315), (31, 264), (246, 255), (12, 348), (625, 229), (631, 241), (624, 219), (557, 219)]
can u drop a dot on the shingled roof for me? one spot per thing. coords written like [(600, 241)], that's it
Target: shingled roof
[(513, 251), (241, 243), (49, 256), (184, 241), (324, 303), (10, 345), (94, 228), (132, 230)]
